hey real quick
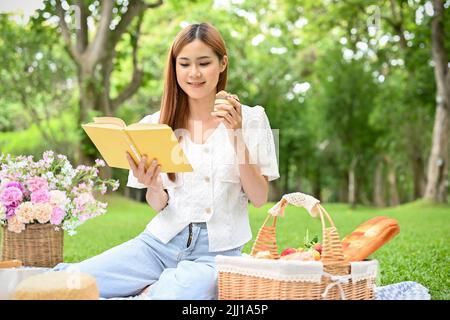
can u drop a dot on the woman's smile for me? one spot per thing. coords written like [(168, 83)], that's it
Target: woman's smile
[(196, 84)]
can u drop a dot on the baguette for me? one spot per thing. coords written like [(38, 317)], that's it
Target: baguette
[(368, 237), (10, 264)]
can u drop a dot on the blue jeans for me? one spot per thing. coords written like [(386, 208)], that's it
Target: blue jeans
[(176, 270)]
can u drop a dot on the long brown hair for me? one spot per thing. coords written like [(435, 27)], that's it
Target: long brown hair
[(174, 103)]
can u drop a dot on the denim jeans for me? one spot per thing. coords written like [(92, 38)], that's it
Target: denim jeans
[(181, 269)]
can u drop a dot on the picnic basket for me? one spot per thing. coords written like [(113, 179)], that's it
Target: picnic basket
[(39, 245), (332, 278)]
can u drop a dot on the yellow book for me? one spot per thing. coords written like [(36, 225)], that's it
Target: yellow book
[(113, 138)]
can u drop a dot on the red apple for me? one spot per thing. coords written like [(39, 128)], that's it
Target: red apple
[(288, 251), (318, 247)]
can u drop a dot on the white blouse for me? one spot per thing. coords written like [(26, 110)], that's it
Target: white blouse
[(213, 192)]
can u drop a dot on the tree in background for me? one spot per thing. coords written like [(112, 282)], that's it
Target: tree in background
[(337, 87), (437, 185), (36, 84), (96, 54)]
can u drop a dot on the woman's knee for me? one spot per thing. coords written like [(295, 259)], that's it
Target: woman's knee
[(188, 281)]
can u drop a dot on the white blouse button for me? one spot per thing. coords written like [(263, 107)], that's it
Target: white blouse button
[(207, 179), (208, 210)]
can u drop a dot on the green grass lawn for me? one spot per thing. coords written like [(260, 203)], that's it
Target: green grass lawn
[(418, 253)]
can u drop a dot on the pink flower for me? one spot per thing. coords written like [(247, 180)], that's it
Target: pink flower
[(57, 215), (15, 184), (40, 196), (37, 183), (10, 211), (83, 200), (11, 196), (100, 162)]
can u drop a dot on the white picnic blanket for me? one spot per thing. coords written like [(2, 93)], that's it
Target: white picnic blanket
[(407, 290), (11, 277)]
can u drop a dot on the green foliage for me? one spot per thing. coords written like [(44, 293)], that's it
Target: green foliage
[(35, 74), (31, 142), (291, 57)]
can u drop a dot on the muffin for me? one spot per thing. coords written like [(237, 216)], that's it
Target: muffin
[(221, 98)]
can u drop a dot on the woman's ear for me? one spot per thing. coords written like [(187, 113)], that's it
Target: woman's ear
[(224, 64)]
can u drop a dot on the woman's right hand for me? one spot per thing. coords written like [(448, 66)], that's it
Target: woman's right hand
[(150, 177)]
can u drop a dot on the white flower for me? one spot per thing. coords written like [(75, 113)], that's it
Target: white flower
[(25, 212), (2, 212), (59, 199), (14, 225), (42, 212)]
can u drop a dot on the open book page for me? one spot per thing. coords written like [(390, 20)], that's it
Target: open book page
[(161, 145), (112, 143), (110, 120), (143, 126), (113, 139)]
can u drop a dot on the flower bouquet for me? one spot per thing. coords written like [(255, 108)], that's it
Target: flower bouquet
[(38, 200)]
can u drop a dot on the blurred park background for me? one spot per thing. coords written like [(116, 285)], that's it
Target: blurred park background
[(359, 89)]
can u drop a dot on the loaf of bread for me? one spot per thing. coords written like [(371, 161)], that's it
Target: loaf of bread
[(57, 285), (221, 98), (368, 237)]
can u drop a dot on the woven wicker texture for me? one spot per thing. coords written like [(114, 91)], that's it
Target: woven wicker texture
[(39, 245)]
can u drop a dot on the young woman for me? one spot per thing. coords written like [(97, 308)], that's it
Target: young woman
[(202, 213)]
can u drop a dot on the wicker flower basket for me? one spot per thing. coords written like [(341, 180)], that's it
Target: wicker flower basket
[(39, 245), (332, 278)]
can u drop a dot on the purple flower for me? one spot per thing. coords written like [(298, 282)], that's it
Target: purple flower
[(100, 162), (15, 184), (11, 196), (37, 183), (11, 211), (42, 195), (57, 215)]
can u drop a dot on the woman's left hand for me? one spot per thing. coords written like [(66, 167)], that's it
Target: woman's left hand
[(231, 116)]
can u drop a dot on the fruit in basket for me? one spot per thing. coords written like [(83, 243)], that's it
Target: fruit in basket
[(310, 255), (310, 251), (295, 256), (316, 255), (288, 251)]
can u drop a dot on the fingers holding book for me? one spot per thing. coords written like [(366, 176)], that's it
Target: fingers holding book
[(150, 176)]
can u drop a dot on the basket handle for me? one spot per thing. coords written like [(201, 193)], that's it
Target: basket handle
[(311, 204), (297, 199)]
